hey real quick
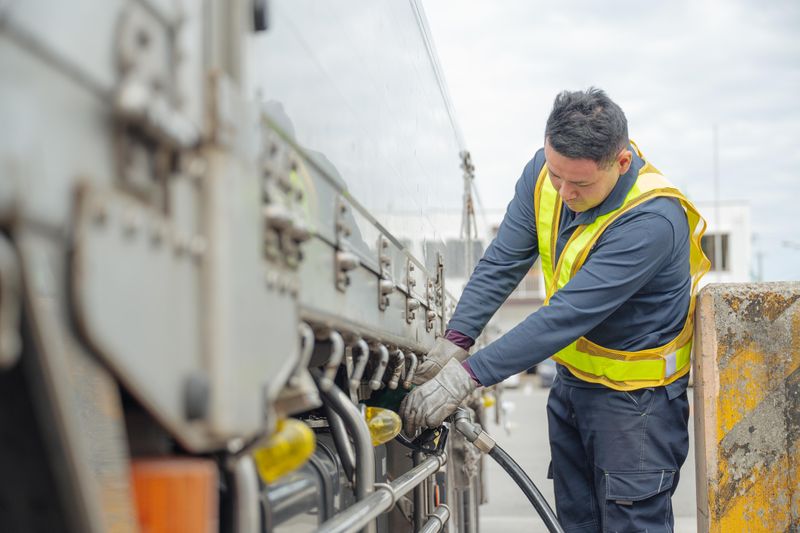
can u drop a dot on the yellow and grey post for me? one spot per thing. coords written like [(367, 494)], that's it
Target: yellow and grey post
[(747, 407)]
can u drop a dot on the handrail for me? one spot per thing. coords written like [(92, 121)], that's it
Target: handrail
[(384, 497)]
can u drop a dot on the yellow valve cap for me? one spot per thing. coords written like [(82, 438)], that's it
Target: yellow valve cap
[(488, 400), (383, 424), (285, 450)]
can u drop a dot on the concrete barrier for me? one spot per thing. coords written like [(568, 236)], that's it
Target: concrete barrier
[(747, 407)]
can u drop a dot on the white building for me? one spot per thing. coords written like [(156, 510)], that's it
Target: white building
[(727, 241)]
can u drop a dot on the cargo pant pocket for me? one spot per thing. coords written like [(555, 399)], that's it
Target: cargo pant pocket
[(638, 502)]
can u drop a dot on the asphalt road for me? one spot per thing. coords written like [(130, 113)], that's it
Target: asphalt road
[(508, 511)]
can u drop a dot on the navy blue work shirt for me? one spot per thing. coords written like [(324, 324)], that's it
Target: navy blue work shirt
[(632, 293)]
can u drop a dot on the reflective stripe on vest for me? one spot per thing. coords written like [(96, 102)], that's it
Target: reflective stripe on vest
[(621, 370)]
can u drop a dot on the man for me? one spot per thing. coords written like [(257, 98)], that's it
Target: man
[(621, 257)]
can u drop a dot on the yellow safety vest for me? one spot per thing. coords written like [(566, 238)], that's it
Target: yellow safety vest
[(620, 370)]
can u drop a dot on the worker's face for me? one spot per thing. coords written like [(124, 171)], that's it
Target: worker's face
[(582, 183)]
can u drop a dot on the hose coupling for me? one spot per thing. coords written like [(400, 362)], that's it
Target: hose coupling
[(473, 432)]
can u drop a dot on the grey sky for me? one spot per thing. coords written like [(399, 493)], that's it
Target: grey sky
[(676, 68)]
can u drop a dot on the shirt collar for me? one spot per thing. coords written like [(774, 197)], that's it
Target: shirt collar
[(617, 195)]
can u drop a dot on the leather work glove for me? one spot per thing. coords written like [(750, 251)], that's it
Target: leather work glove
[(429, 404), (443, 350)]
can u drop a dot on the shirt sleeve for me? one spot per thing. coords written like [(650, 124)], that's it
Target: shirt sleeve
[(627, 256), (506, 260)]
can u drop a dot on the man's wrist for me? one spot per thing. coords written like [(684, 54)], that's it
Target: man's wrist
[(464, 342), (468, 368)]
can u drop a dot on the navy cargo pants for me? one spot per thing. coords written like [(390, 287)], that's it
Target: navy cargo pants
[(616, 457)]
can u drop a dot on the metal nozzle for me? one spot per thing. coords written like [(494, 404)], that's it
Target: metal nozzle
[(473, 432), (360, 363), (335, 359), (380, 369), (412, 367), (399, 368)]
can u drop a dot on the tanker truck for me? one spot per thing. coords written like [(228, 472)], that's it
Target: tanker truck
[(219, 267)]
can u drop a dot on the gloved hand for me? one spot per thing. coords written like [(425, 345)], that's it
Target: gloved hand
[(429, 404), (443, 350)]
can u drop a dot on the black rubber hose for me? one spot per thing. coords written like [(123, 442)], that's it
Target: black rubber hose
[(526, 485)]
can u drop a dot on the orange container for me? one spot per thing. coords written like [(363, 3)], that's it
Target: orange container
[(176, 495)]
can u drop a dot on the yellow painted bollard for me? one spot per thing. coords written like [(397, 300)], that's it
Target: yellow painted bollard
[(747, 407)]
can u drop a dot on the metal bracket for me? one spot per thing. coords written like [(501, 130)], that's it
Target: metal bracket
[(344, 260), (284, 228), (343, 229), (412, 304), (430, 304), (439, 292), (153, 127), (385, 283)]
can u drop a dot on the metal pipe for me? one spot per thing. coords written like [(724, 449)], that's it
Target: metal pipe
[(246, 503), (341, 441), (399, 369), (430, 493), (380, 501), (357, 426), (364, 477), (307, 334), (335, 359), (380, 369), (437, 519), (404, 483), (412, 367), (360, 364), (419, 496)]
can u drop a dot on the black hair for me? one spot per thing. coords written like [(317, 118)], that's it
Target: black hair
[(587, 125)]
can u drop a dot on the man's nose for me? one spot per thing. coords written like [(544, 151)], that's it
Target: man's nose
[(567, 191)]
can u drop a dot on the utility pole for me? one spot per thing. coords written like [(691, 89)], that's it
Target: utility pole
[(469, 225), (717, 259)]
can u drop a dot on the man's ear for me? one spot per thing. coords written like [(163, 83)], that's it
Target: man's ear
[(624, 159)]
